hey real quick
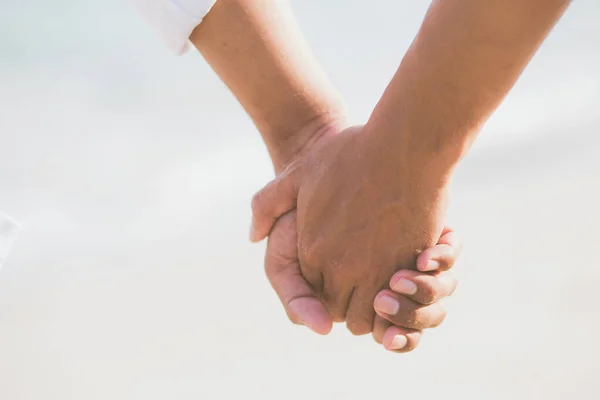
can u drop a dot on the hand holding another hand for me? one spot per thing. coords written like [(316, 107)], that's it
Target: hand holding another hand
[(361, 217)]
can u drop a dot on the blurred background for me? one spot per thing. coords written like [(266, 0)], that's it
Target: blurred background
[(131, 171)]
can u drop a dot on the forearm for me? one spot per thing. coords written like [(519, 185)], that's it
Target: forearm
[(466, 57), (256, 47)]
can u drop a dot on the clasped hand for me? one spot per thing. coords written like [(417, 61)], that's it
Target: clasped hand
[(357, 235)]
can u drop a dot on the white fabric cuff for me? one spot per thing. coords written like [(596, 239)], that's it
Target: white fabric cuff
[(174, 20), (9, 228)]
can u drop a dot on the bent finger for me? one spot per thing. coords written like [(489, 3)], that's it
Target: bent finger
[(294, 291), (424, 288), (406, 313), (401, 340), (270, 203), (443, 255)]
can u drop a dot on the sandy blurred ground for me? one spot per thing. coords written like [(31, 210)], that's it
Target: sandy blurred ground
[(131, 173)]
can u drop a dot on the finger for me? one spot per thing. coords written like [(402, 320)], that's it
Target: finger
[(360, 314), (443, 255), (380, 326), (447, 229), (453, 240), (283, 271), (336, 299), (406, 313), (302, 306), (424, 288), (270, 203), (387, 334), (401, 340)]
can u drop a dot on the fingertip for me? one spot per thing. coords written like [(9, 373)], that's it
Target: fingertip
[(256, 234), (399, 340), (321, 325), (442, 258), (452, 239), (311, 313), (396, 343), (394, 339), (323, 328)]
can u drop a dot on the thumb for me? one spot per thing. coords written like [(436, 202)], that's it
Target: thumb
[(274, 200), (301, 304)]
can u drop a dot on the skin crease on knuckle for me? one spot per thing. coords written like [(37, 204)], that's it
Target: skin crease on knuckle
[(427, 292), (430, 316)]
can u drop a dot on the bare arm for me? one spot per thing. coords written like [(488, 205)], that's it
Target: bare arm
[(257, 49), (466, 57)]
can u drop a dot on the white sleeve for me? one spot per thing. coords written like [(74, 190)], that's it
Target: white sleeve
[(8, 232), (174, 20)]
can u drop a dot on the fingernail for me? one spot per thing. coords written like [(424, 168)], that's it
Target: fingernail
[(399, 342), (387, 305), (432, 265), (405, 286)]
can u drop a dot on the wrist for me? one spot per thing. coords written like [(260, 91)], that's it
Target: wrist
[(416, 153), (287, 144)]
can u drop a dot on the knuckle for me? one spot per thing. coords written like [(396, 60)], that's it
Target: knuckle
[(428, 292), (408, 318), (445, 264)]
